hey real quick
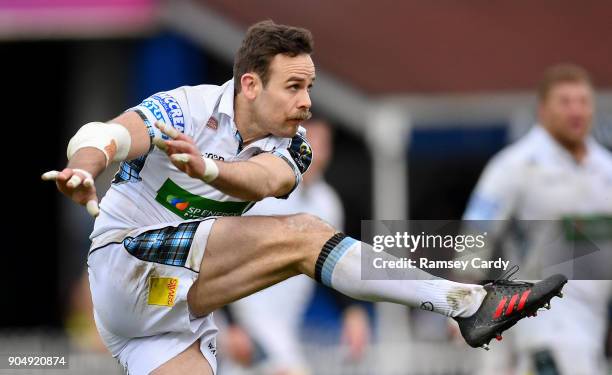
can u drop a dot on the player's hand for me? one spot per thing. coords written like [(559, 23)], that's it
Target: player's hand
[(454, 333), (355, 332), (182, 150), (239, 346), (78, 185)]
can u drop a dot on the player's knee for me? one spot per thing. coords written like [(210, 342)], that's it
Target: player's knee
[(308, 224), (296, 232), (305, 233)]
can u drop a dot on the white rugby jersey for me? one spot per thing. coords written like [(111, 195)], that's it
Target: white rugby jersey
[(537, 179), (150, 190)]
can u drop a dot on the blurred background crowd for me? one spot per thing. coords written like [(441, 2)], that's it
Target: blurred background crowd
[(411, 101)]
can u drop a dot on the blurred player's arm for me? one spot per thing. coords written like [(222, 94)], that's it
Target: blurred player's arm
[(355, 330), (491, 205), (264, 175), (498, 190)]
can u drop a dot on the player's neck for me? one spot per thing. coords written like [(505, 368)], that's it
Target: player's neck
[(246, 122), (578, 150)]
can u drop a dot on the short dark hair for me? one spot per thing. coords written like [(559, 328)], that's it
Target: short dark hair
[(262, 42), (562, 73)]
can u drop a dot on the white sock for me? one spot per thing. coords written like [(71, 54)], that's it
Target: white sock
[(339, 267)]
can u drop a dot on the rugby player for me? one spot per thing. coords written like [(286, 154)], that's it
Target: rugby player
[(167, 248), (555, 172)]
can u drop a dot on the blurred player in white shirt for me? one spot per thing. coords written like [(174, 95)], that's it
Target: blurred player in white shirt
[(556, 171), (272, 317)]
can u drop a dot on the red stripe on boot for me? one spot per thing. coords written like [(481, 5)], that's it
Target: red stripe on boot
[(500, 308), (511, 304), (523, 300)]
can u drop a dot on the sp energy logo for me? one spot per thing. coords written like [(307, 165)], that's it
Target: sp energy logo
[(187, 205), (179, 203)]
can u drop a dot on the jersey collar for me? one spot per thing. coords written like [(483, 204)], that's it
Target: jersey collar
[(550, 142), (226, 104)]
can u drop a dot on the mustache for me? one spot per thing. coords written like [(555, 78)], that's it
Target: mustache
[(302, 116)]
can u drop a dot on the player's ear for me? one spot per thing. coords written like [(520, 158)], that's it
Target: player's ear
[(250, 85)]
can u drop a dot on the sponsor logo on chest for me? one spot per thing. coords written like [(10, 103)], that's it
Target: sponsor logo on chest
[(187, 205)]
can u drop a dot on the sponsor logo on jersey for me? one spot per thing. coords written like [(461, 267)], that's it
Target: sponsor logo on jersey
[(587, 228), (154, 109), (300, 151), (187, 205), (173, 110), (179, 203), (161, 103), (213, 156), (212, 123), (212, 348), (162, 290), (427, 306)]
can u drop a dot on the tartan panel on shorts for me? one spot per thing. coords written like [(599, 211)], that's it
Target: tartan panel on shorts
[(168, 245)]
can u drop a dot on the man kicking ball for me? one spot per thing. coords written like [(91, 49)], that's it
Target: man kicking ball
[(168, 245)]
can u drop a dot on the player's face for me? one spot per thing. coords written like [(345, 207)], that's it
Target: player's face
[(567, 112), (285, 101)]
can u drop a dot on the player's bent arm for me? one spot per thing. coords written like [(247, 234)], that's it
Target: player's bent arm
[(264, 175), (140, 139), (95, 145), (90, 151)]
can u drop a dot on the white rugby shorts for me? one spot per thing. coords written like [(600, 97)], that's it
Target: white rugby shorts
[(139, 281)]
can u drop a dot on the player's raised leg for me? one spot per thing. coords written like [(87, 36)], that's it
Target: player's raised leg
[(246, 254)]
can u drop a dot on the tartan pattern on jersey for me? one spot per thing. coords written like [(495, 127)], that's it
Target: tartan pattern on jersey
[(129, 170), (168, 245)]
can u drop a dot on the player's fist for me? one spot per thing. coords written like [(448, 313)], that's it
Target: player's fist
[(182, 150), (355, 332), (78, 185), (238, 345)]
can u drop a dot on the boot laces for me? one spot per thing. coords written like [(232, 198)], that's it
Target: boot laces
[(506, 279)]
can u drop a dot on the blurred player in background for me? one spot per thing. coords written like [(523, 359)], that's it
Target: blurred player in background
[(556, 171), (273, 316)]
